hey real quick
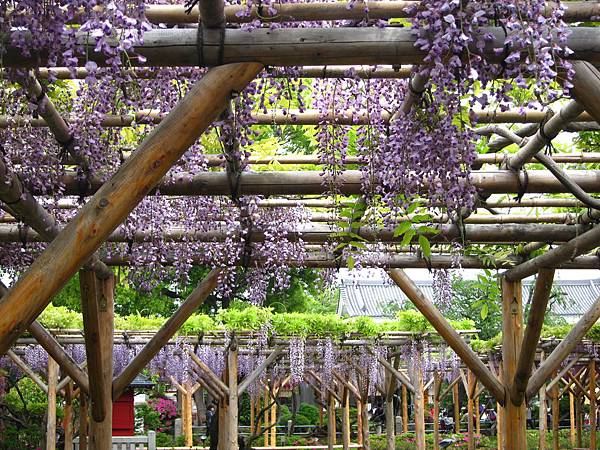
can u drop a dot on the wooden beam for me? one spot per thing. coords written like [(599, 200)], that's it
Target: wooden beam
[(535, 321), (212, 13), (166, 332), (174, 47), (97, 307), (51, 414), (68, 416), (64, 360), (399, 375), (562, 350), (512, 337), (118, 197), (542, 415), (291, 182), (210, 375), (331, 428), (27, 370), (256, 373), (580, 245), (346, 425), (452, 338), (586, 87), (346, 383), (563, 372), (449, 388), (416, 376)]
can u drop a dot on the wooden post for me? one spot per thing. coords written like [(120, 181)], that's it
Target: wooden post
[(579, 418), (515, 420), (273, 417), (471, 383), (83, 421), (266, 416), (555, 417), (232, 371), (346, 418), (404, 409), (456, 401), (593, 411), (51, 420), (97, 300), (359, 419), (543, 415), (572, 423), (252, 418), (331, 432), (418, 401), (477, 417), (68, 416), (436, 411), (113, 202), (364, 423)]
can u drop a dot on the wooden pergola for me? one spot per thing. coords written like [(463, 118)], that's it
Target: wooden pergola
[(236, 57)]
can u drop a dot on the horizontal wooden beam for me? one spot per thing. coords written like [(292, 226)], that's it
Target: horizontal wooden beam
[(452, 338), (309, 117), (350, 183), (178, 47), (321, 233)]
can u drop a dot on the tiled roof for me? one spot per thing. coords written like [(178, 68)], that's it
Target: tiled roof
[(374, 297)]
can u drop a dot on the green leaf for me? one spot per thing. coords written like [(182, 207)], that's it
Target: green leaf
[(426, 229), (350, 262), (484, 311), (402, 228), (425, 246), (407, 239)]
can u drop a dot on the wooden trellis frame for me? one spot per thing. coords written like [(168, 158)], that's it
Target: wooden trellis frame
[(72, 248)]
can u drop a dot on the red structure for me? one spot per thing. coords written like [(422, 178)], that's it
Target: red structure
[(123, 414)]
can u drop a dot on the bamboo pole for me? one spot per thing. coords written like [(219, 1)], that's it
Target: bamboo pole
[(535, 321), (51, 415), (116, 199), (97, 305), (320, 233), (512, 337), (270, 183), (166, 332), (454, 340)]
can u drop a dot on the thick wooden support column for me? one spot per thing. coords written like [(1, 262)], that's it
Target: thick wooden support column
[(512, 337), (166, 332), (452, 338), (232, 413), (97, 306), (83, 421), (562, 350), (51, 415), (537, 312), (418, 401), (68, 415), (346, 418), (331, 431), (118, 197), (593, 401), (471, 386)]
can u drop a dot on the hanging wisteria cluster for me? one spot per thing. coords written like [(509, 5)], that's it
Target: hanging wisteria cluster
[(402, 156)]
